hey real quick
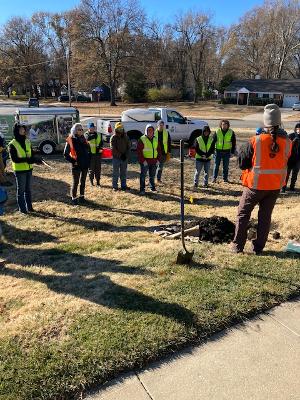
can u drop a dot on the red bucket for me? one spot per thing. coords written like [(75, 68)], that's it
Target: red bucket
[(192, 152), (106, 153)]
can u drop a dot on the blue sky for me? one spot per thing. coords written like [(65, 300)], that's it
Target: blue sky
[(225, 12)]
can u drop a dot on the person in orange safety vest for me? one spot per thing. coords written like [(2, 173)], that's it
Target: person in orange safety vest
[(263, 161)]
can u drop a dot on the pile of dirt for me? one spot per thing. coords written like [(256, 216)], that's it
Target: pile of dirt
[(216, 230)]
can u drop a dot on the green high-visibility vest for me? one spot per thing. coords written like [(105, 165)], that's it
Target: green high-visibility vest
[(204, 147), (165, 138), (150, 147), (24, 166), (94, 143), (224, 142)]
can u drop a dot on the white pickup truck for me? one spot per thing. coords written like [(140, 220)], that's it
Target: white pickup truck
[(135, 120)]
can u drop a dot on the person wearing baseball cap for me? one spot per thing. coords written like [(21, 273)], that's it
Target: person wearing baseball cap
[(120, 145), (96, 144)]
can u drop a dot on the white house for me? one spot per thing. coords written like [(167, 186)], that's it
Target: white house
[(245, 91)]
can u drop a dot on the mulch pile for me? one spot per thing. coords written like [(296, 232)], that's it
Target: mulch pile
[(216, 230)]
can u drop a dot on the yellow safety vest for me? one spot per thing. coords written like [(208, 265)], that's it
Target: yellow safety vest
[(224, 142), (165, 138), (204, 147), (94, 143), (150, 147), (24, 166)]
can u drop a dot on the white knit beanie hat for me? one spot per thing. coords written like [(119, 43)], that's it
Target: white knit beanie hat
[(272, 115)]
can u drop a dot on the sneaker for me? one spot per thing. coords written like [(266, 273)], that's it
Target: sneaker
[(226, 181), (153, 189), (142, 192), (23, 212), (115, 189), (31, 209), (283, 189), (92, 182), (125, 188), (81, 200), (98, 184), (74, 202), (292, 189), (205, 185), (214, 181)]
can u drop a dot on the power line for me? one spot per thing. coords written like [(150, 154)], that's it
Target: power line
[(32, 65)]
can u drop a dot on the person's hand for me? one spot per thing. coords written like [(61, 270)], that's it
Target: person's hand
[(145, 163)]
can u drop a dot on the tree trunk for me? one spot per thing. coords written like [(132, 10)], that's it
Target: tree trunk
[(112, 88)]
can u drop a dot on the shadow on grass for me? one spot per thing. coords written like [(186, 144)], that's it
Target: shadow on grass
[(23, 237), (94, 225), (85, 277)]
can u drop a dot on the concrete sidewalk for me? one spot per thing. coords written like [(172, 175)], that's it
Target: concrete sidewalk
[(258, 360)]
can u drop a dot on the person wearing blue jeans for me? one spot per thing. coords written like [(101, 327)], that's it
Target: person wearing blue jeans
[(22, 158), (152, 171), (199, 166), (119, 171), (204, 146), (225, 140), (23, 182), (224, 157)]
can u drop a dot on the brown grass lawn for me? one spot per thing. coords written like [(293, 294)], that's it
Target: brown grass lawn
[(89, 291), (209, 109)]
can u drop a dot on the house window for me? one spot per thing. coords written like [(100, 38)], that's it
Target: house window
[(266, 95), (259, 95)]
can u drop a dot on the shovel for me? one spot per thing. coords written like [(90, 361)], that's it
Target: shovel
[(183, 256)]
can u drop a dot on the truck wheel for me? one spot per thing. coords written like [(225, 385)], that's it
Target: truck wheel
[(134, 138), (193, 137), (47, 147)]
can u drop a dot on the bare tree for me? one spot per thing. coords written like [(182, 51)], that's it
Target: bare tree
[(195, 33), (112, 27), (22, 49)]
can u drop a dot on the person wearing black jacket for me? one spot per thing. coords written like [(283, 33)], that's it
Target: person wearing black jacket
[(77, 153), (95, 141), (22, 157), (294, 165), (204, 147)]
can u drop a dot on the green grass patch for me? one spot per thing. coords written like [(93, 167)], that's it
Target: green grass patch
[(176, 306)]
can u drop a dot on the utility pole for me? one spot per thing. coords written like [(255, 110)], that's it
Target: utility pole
[(68, 75)]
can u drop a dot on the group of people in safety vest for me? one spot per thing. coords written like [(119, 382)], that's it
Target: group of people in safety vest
[(221, 145), (84, 152), (264, 160)]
